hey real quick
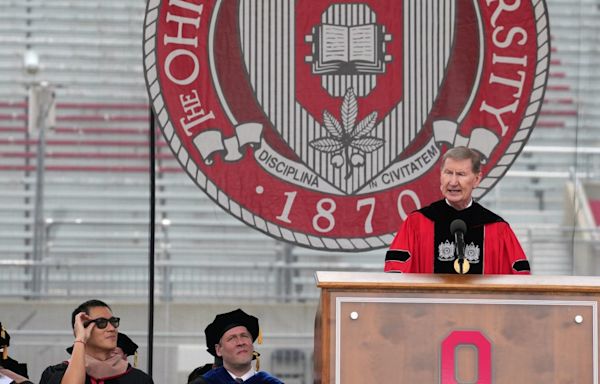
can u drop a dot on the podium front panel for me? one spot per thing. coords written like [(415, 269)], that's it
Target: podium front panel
[(462, 338)]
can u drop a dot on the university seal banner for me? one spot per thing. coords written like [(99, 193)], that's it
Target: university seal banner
[(323, 123)]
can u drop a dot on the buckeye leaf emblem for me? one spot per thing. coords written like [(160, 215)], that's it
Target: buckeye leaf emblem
[(348, 135)]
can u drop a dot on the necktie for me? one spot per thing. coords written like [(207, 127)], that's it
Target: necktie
[(239, 380)]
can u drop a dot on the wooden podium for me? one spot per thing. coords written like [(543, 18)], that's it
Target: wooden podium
[(445, 329)]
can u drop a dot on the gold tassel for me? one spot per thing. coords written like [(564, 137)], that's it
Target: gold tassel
[(256, 356), (4, 347), (259, 340), (135, 359)]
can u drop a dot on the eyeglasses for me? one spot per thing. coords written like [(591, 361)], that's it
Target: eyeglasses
[(102, 322)]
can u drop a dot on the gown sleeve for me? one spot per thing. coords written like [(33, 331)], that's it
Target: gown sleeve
[(53, 374), (411, 250), (504, 254), (516, 256)]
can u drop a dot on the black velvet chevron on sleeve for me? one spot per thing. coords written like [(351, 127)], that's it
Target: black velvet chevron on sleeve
[(521, 266), (395, 255)]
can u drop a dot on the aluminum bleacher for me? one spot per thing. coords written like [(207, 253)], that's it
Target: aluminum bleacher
[(96, 157)]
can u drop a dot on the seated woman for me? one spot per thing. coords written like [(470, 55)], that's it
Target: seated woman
[(96, 356)]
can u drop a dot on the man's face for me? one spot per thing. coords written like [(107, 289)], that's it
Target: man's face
[(102, 339), (458, 181), (235, 347)]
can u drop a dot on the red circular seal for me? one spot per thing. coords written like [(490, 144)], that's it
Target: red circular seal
[(322, 123)]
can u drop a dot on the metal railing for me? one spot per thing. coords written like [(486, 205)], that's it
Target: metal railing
[(275, 278)]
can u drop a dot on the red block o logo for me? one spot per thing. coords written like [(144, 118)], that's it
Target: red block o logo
[(484, 352)]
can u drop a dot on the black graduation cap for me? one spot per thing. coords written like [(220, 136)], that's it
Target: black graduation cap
[(7, 362), (198, 372), (126, 344), (4, 337), (128, 347), (224, 322)]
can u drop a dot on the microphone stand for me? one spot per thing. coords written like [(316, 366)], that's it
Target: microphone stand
[(460, 248), (458, 229)]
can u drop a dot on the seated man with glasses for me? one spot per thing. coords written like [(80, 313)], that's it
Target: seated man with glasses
[(96, 356)]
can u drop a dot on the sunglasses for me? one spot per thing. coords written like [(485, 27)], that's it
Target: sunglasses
[(102, 322)]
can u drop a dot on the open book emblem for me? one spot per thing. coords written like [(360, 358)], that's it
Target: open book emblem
[(349, 49), (334, 68)]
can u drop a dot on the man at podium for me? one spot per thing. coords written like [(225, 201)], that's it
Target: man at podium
[(456, 234)]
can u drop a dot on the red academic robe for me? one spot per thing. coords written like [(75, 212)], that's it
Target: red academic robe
[(424, 243)]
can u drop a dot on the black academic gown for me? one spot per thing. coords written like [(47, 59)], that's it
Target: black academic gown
[(55, 373), (12, 368)]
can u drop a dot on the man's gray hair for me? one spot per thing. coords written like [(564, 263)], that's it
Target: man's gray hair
[(464, 153)]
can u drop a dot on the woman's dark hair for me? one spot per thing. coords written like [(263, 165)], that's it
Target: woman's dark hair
[(85, 307)]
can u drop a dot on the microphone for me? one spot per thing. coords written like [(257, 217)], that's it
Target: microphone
[(458, 228)]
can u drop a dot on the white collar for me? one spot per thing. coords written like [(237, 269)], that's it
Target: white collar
[(245, 376), (468, 205)]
